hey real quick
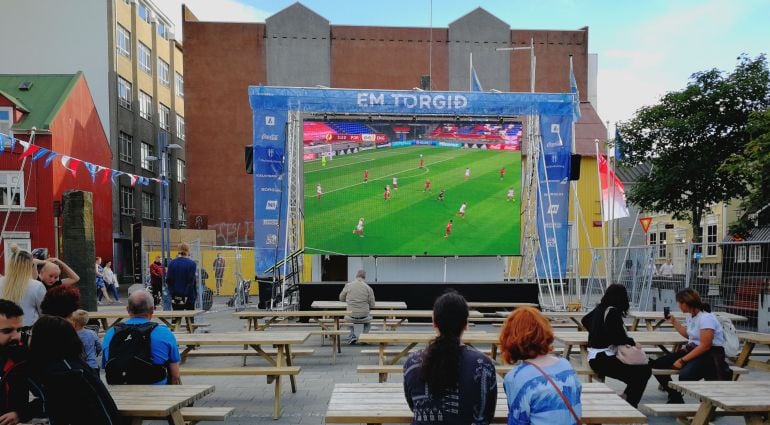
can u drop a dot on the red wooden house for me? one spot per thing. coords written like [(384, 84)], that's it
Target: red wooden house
[(54, 112)]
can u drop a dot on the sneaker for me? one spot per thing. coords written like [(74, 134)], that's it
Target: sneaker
[(675, 399), (352, 341)]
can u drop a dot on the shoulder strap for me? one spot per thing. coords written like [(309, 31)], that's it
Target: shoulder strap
[(556, 387), (606, 312)]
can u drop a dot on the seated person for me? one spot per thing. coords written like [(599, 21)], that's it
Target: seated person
[(14, 391), (360, 299)]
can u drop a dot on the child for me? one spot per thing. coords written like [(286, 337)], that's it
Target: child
[(92, 348)]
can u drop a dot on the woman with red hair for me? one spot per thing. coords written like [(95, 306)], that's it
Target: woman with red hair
[(542, 389)]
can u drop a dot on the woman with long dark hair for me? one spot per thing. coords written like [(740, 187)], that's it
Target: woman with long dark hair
[(606, 331), (72, 394), (704, 355), (449, 382)]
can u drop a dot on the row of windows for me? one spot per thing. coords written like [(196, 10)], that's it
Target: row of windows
[(145, 107), (127, 207), (755, 254), (123, 47), (126, 154)]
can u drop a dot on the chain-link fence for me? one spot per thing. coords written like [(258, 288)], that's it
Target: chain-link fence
[(732, 277)]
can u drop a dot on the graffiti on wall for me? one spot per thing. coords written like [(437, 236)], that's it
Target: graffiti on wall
[(234, 234)]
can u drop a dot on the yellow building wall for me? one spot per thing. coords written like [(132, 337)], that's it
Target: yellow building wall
[(229, 281)]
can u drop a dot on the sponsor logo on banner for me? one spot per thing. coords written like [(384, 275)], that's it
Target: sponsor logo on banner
[(450, 145), (271, 137), (397, 144), (271, 239), (267, 176), (269, 120), (368, 137), (270, 189), (271, 205), (270, 222), (309, 156)]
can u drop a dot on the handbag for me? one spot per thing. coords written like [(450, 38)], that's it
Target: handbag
[(556, 387), (629, 354)]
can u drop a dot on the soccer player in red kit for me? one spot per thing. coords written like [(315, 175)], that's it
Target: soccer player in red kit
[(386, 195), (502, 173), (422, 162), (366, 176), (427, 185), (448, 229)]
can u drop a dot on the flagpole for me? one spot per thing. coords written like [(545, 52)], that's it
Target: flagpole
[(602, 207), (470, 73), (611, 221)]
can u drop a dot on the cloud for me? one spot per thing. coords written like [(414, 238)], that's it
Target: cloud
[(658, 55), (211, 10)]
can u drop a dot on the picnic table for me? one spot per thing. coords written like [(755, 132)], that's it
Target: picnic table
[(750, 341), (140, 402), (392, 319), (414, 338), (270, 318), (654, 319), (748, 398), (378, 305), (173, 319), (280, 364), (499, 305), (385, 403), (664, 340), (572, 316)]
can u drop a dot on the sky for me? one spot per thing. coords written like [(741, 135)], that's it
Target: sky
[(645, 48)]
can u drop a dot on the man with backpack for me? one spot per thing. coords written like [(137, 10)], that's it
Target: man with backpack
[(138, 351)]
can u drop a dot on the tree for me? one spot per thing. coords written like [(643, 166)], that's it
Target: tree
[(755, 165), (690, 136)]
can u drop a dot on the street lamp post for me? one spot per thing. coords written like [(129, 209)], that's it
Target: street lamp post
[(532, 60), (165, 209)]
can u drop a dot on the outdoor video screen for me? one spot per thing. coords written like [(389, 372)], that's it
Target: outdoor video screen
[(407, 188)]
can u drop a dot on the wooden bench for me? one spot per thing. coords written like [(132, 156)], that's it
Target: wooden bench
[(271, 372), (381, 370), (193, 415), (335, 336), (239, 353), (677, 410)]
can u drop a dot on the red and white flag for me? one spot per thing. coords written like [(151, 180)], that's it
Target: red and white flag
[(613, 194)]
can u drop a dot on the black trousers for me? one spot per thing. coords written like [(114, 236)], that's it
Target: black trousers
[(710, 366), (634, 376), (157, 291)]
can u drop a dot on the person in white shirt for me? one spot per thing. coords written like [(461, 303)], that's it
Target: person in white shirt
[(318, 191), (467, 173), (461, 213), (666, 269), (359, 230), (395, 183), (19, 286)]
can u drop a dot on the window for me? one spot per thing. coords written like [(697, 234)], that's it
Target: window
[(708, 270), (123, 42), (180, 127), (148, 150), (180, 170), (11, 189), (181, 214), (148, 206), (145, 105), (124, 93), (179, 84), (144, 12), (162, 30), (163, 116), (145, 58), (126, 147), (755, 253), (163, 72), (662, 248), (126, 201), (6, 121), (653, 238), (740, 254), (711, 240)]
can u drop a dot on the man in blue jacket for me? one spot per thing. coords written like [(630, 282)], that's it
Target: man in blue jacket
[(180, 279)]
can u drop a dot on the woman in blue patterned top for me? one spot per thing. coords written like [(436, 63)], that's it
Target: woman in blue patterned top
[(449, 382), (531, 387)]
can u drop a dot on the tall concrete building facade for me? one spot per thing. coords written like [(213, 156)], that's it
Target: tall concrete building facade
[(133, 66)]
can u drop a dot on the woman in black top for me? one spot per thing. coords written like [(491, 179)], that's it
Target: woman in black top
[(450, 383), (606, 331)]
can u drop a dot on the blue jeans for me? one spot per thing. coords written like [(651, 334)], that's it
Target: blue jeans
[(366, 322)]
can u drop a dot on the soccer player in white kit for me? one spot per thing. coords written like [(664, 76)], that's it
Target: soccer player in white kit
[(511, 196), (359, 228), (467, 173), (318, 191), (461, 213), (395, 183)]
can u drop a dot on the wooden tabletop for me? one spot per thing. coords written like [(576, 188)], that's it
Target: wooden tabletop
[(171, 314), (297, 313), (658, 315), (565, 314), (484, 304), (243, 338), (380, 305), (424, 337), (413, 313), (643, 338), (746, 396), (755, 337), (155, 400), (385, 403)]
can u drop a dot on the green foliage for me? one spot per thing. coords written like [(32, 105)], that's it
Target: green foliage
[(691, 136)]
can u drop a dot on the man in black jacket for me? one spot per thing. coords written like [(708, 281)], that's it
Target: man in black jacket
[(14, 389)]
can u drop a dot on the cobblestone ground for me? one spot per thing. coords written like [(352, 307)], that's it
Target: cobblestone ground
[(252, 397)]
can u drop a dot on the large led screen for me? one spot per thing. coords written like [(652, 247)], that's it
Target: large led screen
[(402, 188)]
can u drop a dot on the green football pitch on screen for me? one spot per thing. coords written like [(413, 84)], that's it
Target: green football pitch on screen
[(413, 218)]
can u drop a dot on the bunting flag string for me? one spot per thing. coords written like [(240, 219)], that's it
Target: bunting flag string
[(72, 164)]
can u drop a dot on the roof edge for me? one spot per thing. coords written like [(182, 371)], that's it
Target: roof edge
[(63, 98)]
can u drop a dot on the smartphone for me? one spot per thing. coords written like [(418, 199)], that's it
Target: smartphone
[(666, 312)]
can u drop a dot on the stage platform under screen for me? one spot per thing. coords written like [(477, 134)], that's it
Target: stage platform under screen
[(421, 295)]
